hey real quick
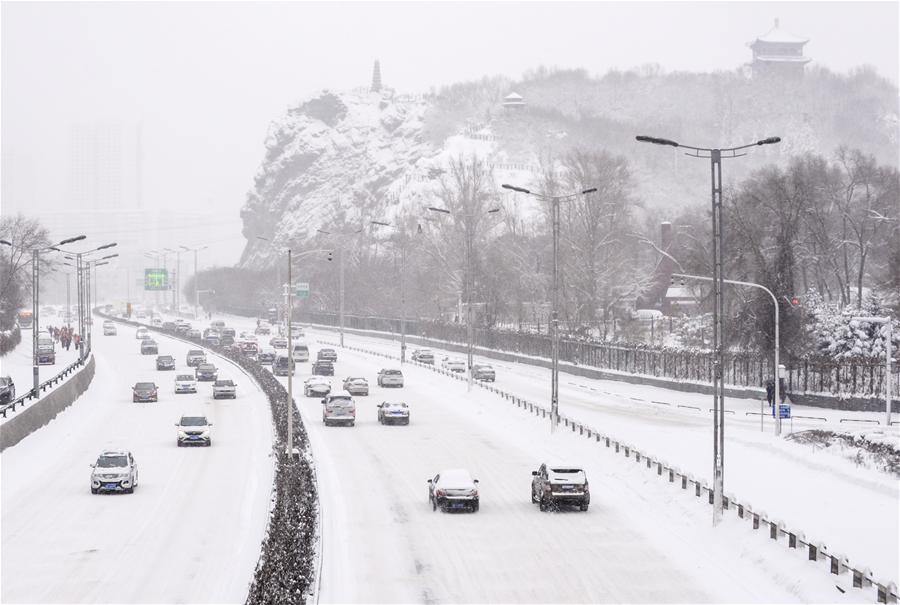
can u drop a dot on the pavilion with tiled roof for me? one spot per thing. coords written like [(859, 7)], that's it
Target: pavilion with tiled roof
[(779, 53)]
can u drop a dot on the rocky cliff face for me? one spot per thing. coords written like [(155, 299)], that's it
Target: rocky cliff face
[(359, 156), (333, 158)]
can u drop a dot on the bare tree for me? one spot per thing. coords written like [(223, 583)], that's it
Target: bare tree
[(25, 234)]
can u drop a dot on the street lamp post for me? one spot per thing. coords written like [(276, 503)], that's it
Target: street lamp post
[(196, 278), (403, 244), (176, 294), (554, 318), (716, 156), (885, 321), (469, 231), (343, 248), (35, 300), (777, 341)]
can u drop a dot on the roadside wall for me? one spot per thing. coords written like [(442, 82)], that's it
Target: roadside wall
[(46, 408)]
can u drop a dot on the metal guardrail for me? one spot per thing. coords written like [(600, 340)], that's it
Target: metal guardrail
[(862, 578), (42, 387)]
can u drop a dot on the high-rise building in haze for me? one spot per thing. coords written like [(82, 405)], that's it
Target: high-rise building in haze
[(105, 166)]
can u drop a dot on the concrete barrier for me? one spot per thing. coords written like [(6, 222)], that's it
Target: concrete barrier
[(47, 408)]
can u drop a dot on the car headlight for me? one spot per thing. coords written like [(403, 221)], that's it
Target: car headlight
[(181, 433)]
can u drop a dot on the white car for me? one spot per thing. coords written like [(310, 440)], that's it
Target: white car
[(316, 386), (142, 334), (224, 388), (390, 378), (109, 329), (338, 409), (453, 489), (156, 322), (114, 471), (194, 429), (185, 383), (453, 364), (391, 412)]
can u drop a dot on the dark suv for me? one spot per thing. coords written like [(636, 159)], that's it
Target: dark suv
[(323, 368), (144, 391), (206, 372), (165, 362), (7, 389), (555, 484)]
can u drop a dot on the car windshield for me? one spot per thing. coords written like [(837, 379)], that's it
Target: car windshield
[(165, 358), (357, 380), (392, 372), (193, 421), (184, 377), (195, 352), (149, 343), (395, 405), (144, 385), (112, 461), (207, 367), (224, 383)]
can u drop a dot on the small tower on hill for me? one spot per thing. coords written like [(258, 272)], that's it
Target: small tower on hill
[(778, 53), (376, 77)]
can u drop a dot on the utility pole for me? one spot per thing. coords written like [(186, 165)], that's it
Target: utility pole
[(343, 250), (341, 305), (554, 314), (35, 305), (715, 157), (288, 317)]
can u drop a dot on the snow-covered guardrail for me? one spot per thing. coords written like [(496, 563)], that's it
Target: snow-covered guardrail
[(289, 566), (838, 565)]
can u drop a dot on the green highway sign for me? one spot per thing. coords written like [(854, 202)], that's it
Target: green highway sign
[(302, 290), (156, 279)]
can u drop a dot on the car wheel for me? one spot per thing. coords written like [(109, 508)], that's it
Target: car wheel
[(95, 490), (130, 490), (178, 443), (475, 507), (533, 499), (434, 504), (584, 507), (208, 442), (542, 504)]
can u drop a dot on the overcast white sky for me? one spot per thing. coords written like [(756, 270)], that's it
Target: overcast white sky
[(205, 79)]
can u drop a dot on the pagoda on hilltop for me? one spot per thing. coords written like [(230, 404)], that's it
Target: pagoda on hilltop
[(778, 53), (376, 77)]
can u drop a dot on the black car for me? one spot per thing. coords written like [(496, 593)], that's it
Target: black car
[(165, 362), (323, 368), (211, 339), (7, 389), (327, 355), (144, 391), (206, 372), (149, 347), (226, 341)]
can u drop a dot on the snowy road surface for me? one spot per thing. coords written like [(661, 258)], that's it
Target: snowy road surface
[(639, 542), (192, 530), (849, 507)]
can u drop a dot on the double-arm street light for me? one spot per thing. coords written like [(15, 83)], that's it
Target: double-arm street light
[(35, 298), (176, 294), (196, 278), (716, 155), (776, 411), (288, 316), (469, 230), (403, 242), (555, 201), (343, 235), (83, 282)]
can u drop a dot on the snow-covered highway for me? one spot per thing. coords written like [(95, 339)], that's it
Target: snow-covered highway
[(850, 507), (639, 542), (192, 530)]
